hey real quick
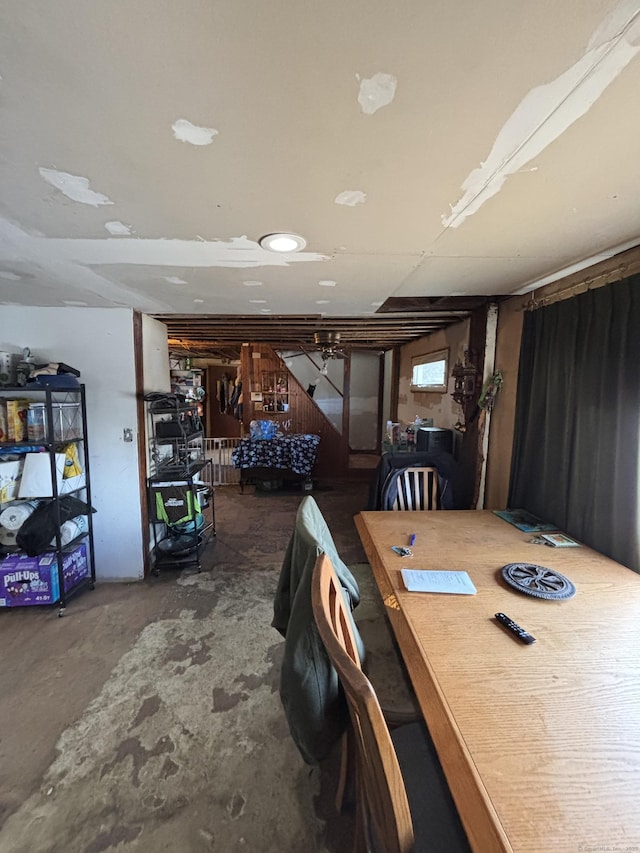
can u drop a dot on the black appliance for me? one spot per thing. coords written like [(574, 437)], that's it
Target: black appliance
[(434, 438)]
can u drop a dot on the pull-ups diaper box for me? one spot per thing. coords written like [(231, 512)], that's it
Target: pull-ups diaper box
[(28, 580)]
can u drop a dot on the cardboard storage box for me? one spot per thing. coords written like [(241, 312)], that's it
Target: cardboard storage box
[(28, 580)]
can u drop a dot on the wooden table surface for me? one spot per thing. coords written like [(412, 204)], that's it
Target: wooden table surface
[(540, 743)]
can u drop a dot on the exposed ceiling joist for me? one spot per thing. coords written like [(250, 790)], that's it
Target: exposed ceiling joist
[(222, 335)]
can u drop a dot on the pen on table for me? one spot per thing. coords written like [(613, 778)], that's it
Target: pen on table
[(412, 539)]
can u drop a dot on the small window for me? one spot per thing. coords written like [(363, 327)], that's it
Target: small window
[(429, 372)]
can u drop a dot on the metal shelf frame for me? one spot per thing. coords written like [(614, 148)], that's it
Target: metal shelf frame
[(53, 398)]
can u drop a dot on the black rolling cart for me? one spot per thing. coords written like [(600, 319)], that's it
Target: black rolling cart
[(180, 489)]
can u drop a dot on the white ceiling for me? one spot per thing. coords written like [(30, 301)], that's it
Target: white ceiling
[(482, 147)]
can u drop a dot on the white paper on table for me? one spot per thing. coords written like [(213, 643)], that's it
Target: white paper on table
[(36, 475), (417, 580)]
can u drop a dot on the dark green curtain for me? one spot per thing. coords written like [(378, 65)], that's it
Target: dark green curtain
[(577, 430)]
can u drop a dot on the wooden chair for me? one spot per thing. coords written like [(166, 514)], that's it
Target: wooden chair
[(403, 801), (313, 701), (417, 489)]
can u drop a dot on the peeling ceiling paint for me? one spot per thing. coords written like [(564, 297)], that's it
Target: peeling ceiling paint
[(72, 260), (446, 108), (236, 252), (74, 187), (117, 229), (184, 131), (376, 92), (547, 111), (351, 197)]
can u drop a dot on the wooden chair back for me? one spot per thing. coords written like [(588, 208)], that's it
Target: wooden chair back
[(383, 819), (417, 489)]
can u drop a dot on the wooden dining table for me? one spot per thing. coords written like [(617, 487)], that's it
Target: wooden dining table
[(540, 743)]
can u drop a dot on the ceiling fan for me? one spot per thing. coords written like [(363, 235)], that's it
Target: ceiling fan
[(326, 344), (329, 344)]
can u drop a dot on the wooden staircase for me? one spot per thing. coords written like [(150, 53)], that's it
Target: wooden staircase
[(303, 416)]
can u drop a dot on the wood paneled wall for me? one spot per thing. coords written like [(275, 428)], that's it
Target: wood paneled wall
[(303, 416)]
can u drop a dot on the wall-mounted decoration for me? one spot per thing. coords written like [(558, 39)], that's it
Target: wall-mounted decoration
[(466, 387), (465, 379)]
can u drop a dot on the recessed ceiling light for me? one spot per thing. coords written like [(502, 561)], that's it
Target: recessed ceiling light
[(281, 242)]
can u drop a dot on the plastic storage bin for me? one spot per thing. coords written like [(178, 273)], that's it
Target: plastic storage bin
[(66, 421)]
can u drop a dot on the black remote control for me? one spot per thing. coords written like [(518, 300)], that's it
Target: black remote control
[(512, 626)]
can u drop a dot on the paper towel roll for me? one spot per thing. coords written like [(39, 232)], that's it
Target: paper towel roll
[(72, 528), (15, 516), (8, 538)]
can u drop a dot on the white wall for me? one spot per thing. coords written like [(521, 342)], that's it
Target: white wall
[(364, 382), (155, 356), (155, 367), (99, 343)]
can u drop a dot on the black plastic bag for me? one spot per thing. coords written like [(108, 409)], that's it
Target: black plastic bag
[(37, 532)]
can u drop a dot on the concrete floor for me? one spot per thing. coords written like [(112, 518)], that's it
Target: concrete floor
[(148, 718)]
